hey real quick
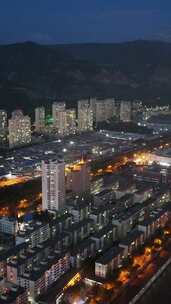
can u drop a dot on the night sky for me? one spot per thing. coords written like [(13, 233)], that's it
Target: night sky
[(66, 21)]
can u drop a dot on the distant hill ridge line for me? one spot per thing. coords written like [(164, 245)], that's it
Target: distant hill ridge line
[(138, 69), (138, 41)]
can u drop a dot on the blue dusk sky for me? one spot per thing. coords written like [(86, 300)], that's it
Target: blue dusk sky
[(73, 21)]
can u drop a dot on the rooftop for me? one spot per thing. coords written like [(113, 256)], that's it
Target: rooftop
[(109, 255), (131, 237), (9, 292), (103, 231)]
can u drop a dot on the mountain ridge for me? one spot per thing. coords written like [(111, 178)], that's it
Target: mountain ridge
[(33, 74)]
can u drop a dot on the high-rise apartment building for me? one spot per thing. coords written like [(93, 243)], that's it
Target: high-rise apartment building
[(85, 116), (19, 127), (92, 101), (3, 126), (53, 185), (71, 121), (104, 109), (57, 108), (62, 123), (78, 178), (126, 111), (39, 119)]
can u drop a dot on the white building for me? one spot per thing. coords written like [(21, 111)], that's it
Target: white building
[(85, 116), (92, 101), (39, 119), (19, 127), (57, 108), (53, 185), (125, 111)]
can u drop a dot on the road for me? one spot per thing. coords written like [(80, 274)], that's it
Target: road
[(160, 292)]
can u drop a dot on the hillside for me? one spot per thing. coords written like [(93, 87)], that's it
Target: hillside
[(33, 74)]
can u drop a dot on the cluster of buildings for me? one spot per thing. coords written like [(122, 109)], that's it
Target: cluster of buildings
[(89, 112), (17, 130), (74, 226), (150, 111), (157, 118), (145, 229), (76, 223)]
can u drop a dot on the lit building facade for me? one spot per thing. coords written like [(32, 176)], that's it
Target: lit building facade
[(62, 123), (85, 116), (125, 111), (19, 127), (3, 126), (8, 225), (104, 109), (58, 117), (53, 185), (78, 178), (71, 121)]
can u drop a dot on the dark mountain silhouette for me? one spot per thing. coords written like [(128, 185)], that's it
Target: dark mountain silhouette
[(33, 74)]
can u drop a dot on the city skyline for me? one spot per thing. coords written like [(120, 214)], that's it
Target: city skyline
[(85, 152)]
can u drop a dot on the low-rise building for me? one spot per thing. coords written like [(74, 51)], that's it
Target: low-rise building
[(109, 261), (33, 233), (6, 253), (104, 237), (126, 219), (155, 221), (12, 294), (100, 217), (85, 249), (79, 210), (131, 242), (44, 273), (79, 231), (8, 225), (60, 223)]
